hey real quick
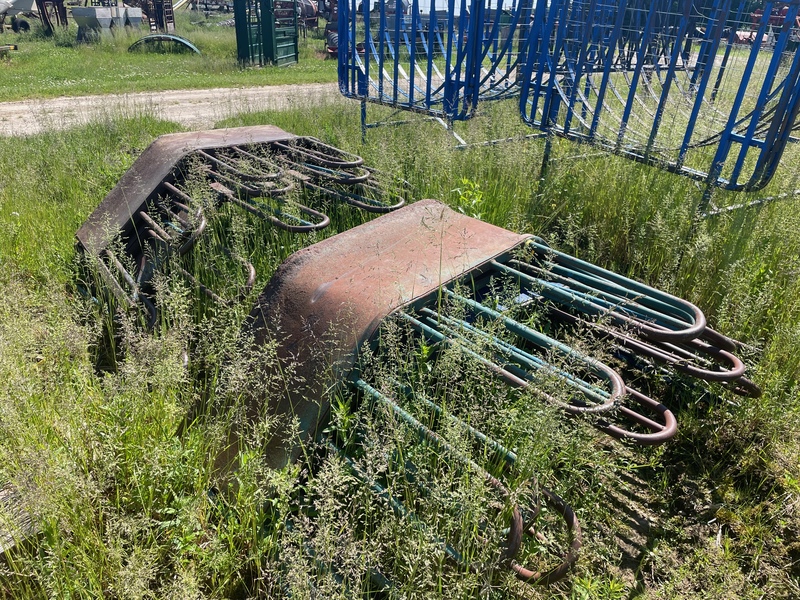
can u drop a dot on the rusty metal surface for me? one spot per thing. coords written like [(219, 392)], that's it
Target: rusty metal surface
[(657, 433), (155, 166), (559, 571), (326, 300), (157, 212)]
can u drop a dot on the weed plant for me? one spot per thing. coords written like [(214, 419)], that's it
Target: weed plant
[(119, 467)]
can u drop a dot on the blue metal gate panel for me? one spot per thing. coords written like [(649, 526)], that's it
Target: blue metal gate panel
[(438, 57), (709, 94), (698, 88)]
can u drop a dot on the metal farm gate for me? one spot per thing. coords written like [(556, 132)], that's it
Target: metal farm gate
[(712, 95), (266, 31), (704, 89)]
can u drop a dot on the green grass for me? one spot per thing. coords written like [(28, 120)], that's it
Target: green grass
[(49, 67), (118, 476)]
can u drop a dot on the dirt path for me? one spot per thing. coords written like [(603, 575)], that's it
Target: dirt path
[(194, 109)]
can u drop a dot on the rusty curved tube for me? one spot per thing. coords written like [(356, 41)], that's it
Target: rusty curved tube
[(687, 321), (322, 223), (715, 338), (671, 354), (621, 309), (134, 297), (745, 387), (526, 361), (678, 355), (349, 176), (659, 433), (246, 288), (197, 229), (158, 232), (559, 571), (267, 189), (227, 166), (319, 153), (195, 235), (199, 216), (630, 311), (250, 156), (247, 265), (359, 201)]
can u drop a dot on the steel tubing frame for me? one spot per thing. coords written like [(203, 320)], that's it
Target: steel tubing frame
[(517, 528), (263, 179), (533, 355), (666, 87), (653, 81), (441, 63)]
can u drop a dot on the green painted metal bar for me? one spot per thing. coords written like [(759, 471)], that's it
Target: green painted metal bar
[(266, 32), (524, 359), (545, 342)]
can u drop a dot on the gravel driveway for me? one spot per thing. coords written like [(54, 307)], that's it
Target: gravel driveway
[(194, 109)]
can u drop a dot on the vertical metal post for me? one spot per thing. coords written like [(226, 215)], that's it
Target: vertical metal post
[(244, 44), (268, 43), (548, 147), (363, 120)]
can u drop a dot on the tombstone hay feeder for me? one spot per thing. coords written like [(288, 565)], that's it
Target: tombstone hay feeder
[(534, 321), (158, 210)]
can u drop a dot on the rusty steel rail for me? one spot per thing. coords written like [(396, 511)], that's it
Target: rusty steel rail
[(695, 358)]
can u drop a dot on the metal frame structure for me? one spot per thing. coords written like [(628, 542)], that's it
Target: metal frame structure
[(667, 86), (158, 14), (52, 13), (266, 32), (434, 274), (159, 40), (709, 93), (157, 212), (447, 282), (440, 63)]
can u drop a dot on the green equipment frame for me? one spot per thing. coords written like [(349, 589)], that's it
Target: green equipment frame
[(266, 31)]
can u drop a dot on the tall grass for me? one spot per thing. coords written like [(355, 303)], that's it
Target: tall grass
[(118, 467)]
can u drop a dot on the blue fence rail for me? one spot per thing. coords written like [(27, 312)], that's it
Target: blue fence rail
[(704, 89)]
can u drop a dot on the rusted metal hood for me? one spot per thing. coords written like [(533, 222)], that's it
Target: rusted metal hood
[(328, 299), (152, 168)]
